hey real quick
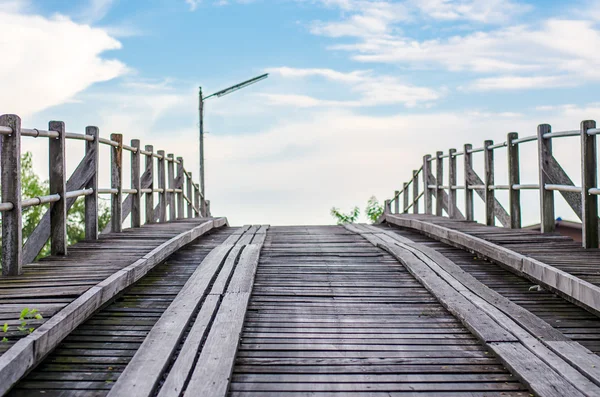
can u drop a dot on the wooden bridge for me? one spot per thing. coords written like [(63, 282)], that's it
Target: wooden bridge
[(187, 305)]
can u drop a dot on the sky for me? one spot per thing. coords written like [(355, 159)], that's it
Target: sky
[(358, 90)]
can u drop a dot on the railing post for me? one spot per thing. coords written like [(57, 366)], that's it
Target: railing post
[(179, 185), (451, 183), (162, 196), (188, 184), (439, 181), (116, 177), (547, 220), (171, 179), (589, 179), (397, 202), (197, 201), (387, 207), (10, 163), (426, 190), (514, 178), (405, 197), (468, 162), (207, 203), (150, 196), (490, 193), (91, 200), (136, 203), (415, 184), (58, 185)]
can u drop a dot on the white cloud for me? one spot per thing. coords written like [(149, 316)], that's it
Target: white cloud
[(373, 89), (520, 83), (193, 4), (47, 61), (95, 10), (488, 11)]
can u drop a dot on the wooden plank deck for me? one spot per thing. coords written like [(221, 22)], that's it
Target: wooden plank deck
[(331, 314), (573, 321), (556, 262), (90, 359), (53, 282)]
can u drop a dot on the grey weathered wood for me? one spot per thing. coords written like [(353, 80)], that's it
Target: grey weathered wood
[(197, 203), (589, 179), (451, 183), (439, 178), (387, 206), (499, 210), (162, 196), (397, 201), (489, 194), (92, 149), (405, 198), (10, 167), (41, 233), (468, 163), (427, 196), (171, 183), (215, 364), (150, 196), (179, 180), (415, 186), (514, 178), (547, 220), (136, 198), (444, 198), (32, 349), (557, 176), (142, 374), (116, 182), (58, 185), (190, 207)]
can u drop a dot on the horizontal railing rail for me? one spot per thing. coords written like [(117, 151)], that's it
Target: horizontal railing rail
[(173, 189), (552, 178)]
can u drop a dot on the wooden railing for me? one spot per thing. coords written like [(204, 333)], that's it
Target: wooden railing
[(84, 182), (583, 200)]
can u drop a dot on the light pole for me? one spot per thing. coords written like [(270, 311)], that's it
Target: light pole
[(201, 100)]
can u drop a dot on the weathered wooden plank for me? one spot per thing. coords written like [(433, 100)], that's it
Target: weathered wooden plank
[(489, 196), (589, 179), (10, 168), (547, 219), (116, 182), (149, 162), (514, 178), (58, 185), (136, 198), (30, 350), (91, 201)]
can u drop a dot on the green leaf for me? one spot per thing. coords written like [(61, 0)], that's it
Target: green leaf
[(5, 327), (38, 316), (4, 340), (24, 312)]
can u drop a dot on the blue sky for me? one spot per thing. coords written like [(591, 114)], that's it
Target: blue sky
[(358, 91)]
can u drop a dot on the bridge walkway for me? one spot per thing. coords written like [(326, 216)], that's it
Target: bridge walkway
[(324, 310)]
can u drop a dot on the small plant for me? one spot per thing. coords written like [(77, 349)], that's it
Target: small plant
[(342, 218), (26, 316), (374, 210), (5, 330)]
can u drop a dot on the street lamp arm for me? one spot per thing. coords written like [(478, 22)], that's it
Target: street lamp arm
[(237, 86)]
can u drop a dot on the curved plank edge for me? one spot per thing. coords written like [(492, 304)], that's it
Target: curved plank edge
[(31, 350)]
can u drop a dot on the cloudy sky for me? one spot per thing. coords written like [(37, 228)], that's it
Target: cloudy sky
[(358, 91)]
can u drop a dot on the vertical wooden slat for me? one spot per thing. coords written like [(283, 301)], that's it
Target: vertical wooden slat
[(415, 185), (439, 181), (197, 200), (547, 220), (489, 194), (589, 179), (514, 178), (171, 179), (468, 162), (136, 203), (116, 161), (387, 208), (179, 185), (92, 149), (405, 198), (426, 191), (58, 185), (207, 213), (10, 163), (162, 184), (150, 196), (451, 183), (190, 208), (397, 202)]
